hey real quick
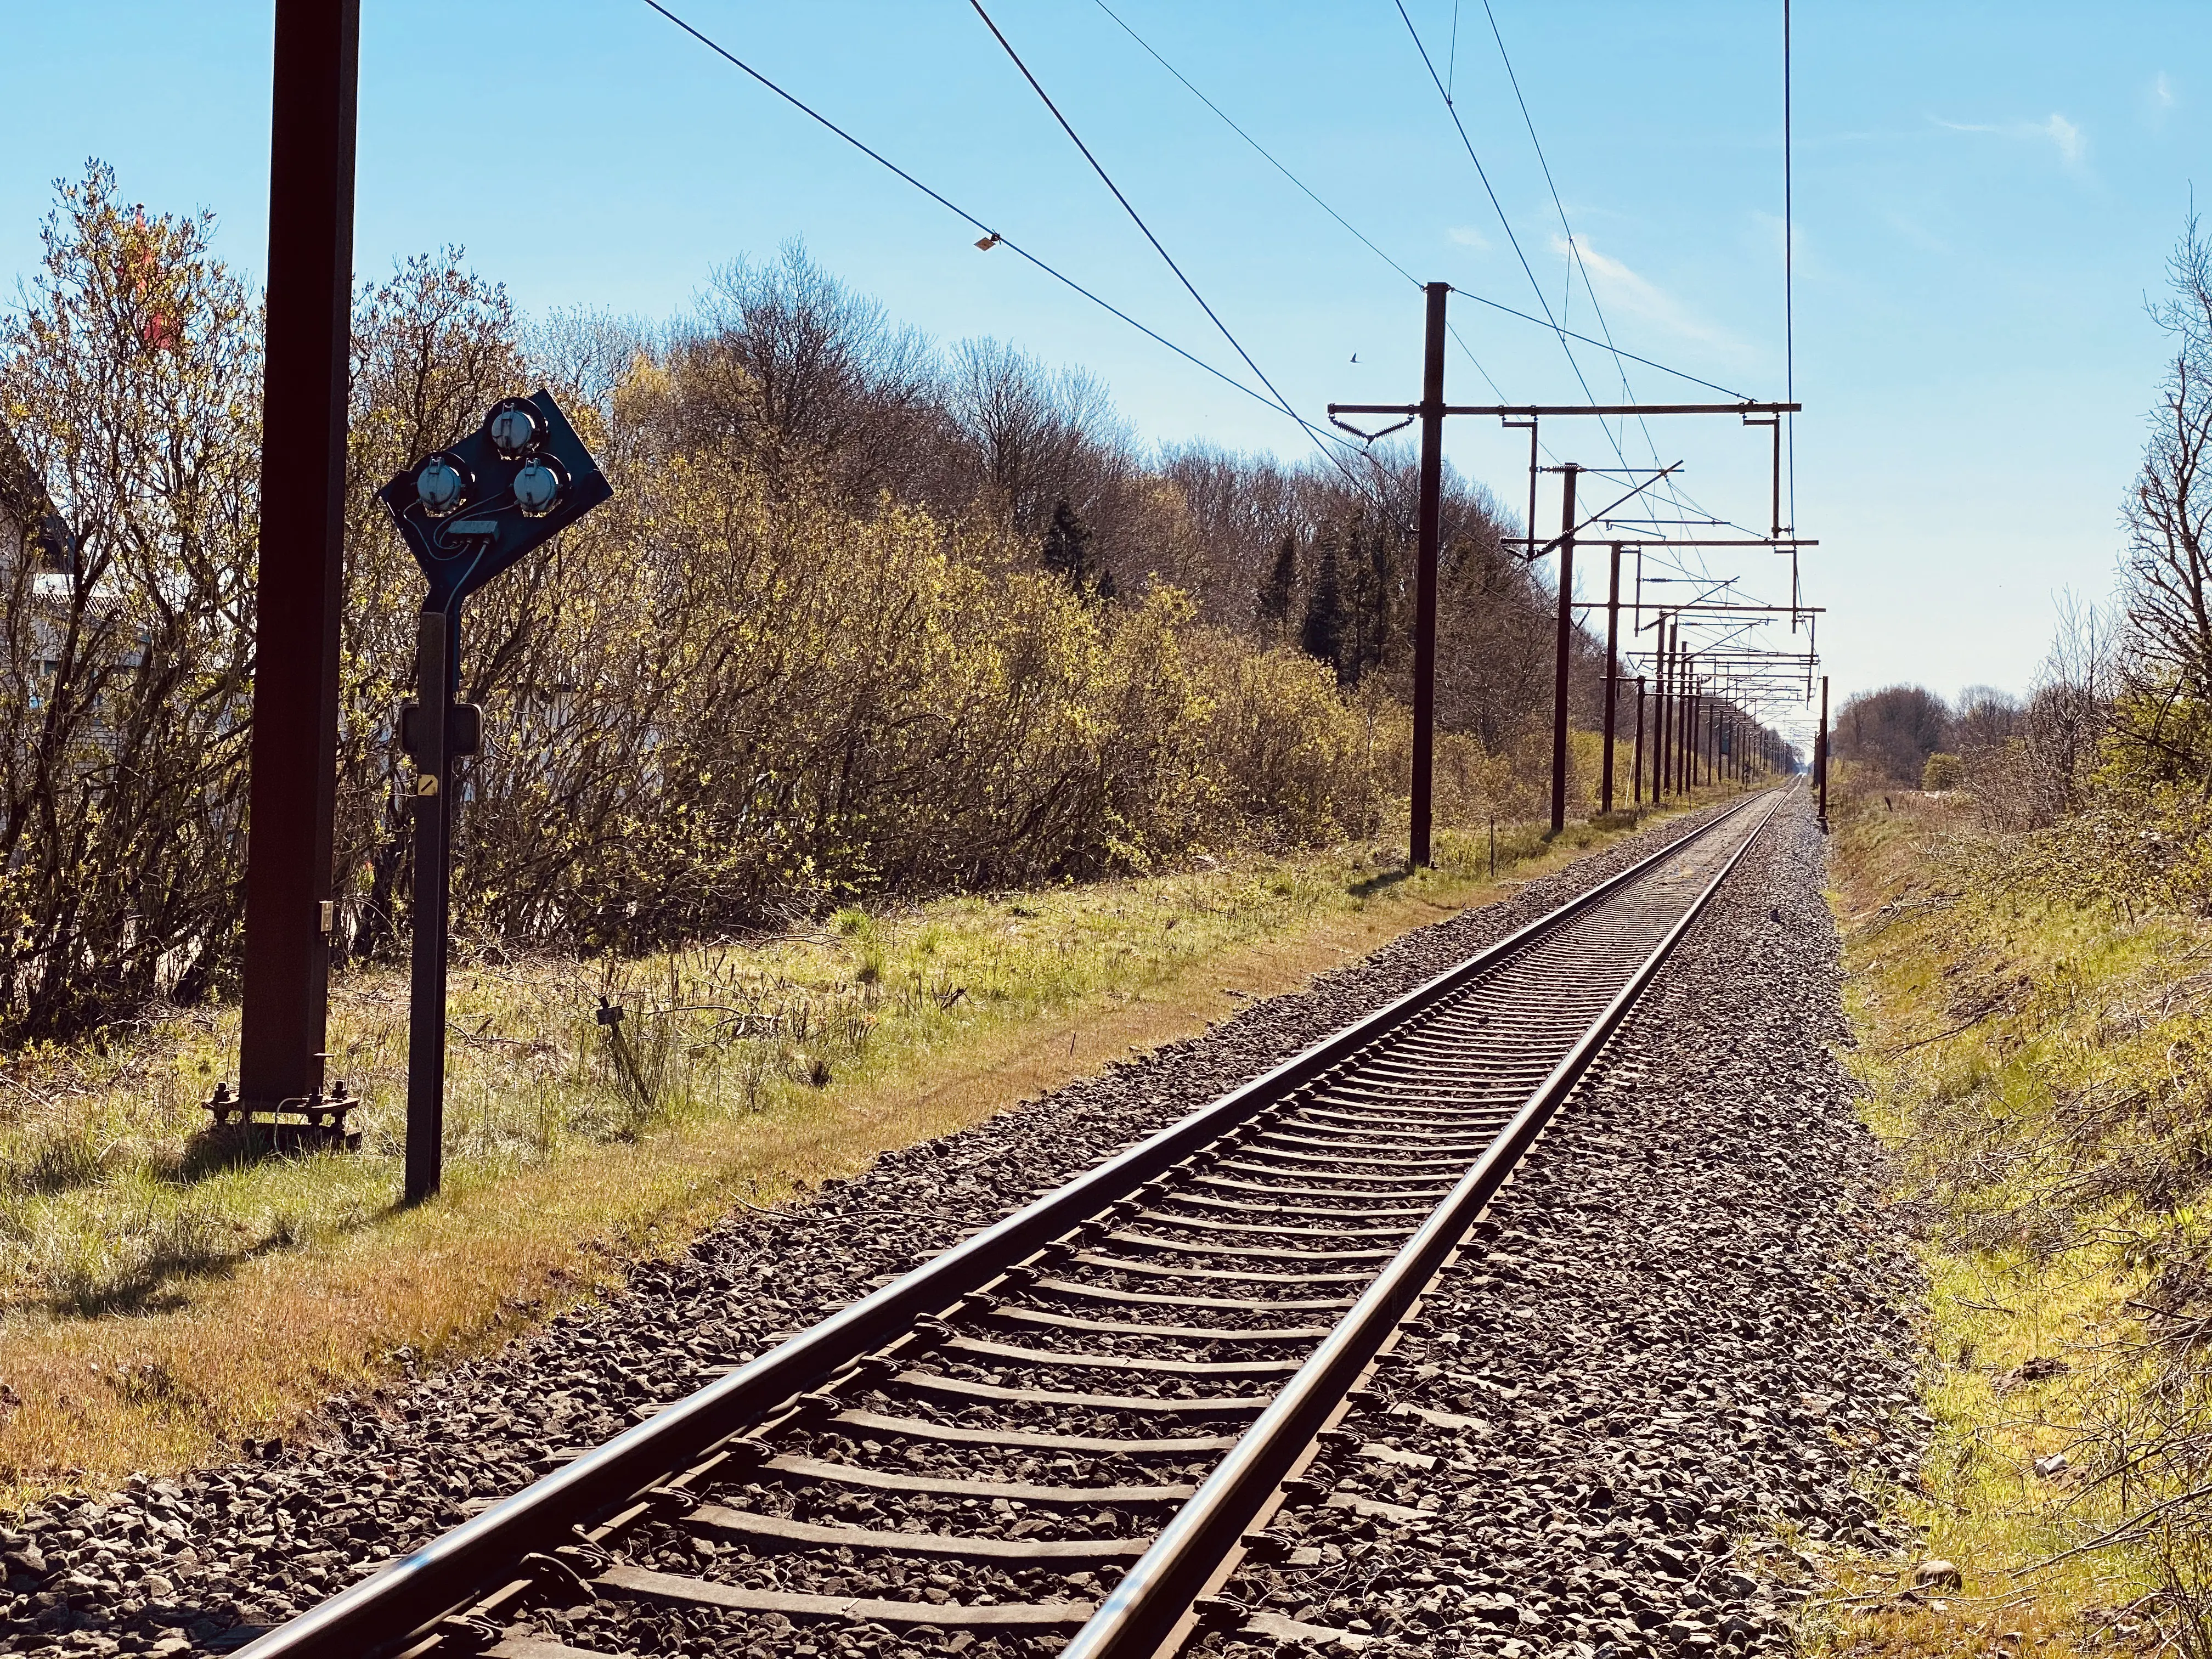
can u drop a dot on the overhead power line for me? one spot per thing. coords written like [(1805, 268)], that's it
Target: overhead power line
[(1480, 172), (997, 239), (1135, 218), (1158, 247), (1681, 500), (1575, 263), (1264, 154), (1789, 269), (1549, 325), (1506, 224), (1364, 241)]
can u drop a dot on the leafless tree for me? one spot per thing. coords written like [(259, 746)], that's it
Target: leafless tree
[(1042, 435), (131, 377), (809, 378), (584, 355), (2166, 572), (2069, 711), (1893, 731)]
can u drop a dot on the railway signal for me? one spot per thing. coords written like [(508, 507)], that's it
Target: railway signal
[(468, 513)]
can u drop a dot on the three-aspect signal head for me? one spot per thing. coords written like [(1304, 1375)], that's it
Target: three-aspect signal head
[(469, 511)]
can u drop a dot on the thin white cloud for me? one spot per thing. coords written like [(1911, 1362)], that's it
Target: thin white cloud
[(2158, 100), (2070, 141), (1619, 286), (1772, 225), (1468, 236)]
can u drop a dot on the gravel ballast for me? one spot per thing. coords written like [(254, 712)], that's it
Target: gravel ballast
[(1677, 1363), (1687, 1333)]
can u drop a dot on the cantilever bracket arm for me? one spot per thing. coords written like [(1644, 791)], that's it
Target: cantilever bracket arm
[(1538, 553), (1532, 409)]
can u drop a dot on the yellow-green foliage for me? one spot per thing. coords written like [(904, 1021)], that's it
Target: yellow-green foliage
[(2031, 1052), (779, 707), (741, 693)]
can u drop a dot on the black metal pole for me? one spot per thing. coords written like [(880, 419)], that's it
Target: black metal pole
[(1612, 677), (1560, 663), (1669, 645), (1697, 733), (1686, 713), (437, 674), (1694, 734), (1820, 753), (1635, 767), (1425, 582), (285, 977)]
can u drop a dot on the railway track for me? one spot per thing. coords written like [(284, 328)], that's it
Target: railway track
[(1061, 1435)]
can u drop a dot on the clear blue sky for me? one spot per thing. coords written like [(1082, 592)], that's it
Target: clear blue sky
[(1985, 194)]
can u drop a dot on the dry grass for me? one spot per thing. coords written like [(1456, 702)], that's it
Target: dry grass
[(2021, 1053), (158, 1303)]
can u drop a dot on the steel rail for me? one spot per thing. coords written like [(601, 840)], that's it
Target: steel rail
[(1143, 1610), (407, 1598)]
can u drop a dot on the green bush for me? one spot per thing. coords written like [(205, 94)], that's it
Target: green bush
[(1943, 772)]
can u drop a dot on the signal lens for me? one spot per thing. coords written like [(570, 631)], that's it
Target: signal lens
[(538, 487), (513, 428), (439, 485)]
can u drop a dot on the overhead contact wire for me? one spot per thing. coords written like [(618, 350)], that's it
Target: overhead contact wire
[(1264, 154), (1574, 248), (1136, 219), (1368, 243), (1000, 238)]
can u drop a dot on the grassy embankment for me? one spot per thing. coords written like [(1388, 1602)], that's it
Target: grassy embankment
[(158, 1303), (2035, 1060)]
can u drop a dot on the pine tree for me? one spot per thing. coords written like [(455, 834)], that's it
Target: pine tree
[(1322, 634), (1274, 603), (1067, 549), (1374, 603)]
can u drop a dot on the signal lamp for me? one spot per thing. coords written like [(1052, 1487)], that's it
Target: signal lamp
[(515, 428), (537, 487), (439, 483)]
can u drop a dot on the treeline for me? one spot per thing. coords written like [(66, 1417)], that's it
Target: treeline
[(2028, 761), (2106, 763), (867, 615)]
